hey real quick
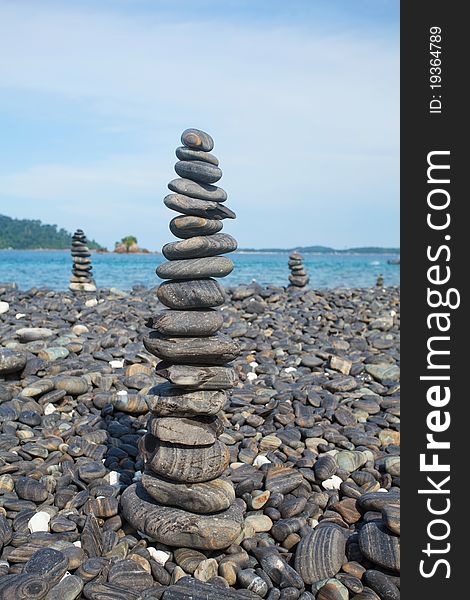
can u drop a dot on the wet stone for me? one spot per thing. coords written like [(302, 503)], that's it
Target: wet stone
[(11, 361), (211, 350), (199, 377)]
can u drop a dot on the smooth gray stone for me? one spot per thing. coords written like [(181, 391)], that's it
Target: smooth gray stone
[(212, 350), (188, 431), (188, 226), (198, 208), (321, 554), (23, 587), (198, 377), (197, 139), (199, 293), (201, 191), (205, 497), (11, 361), (200, 246), (198, 171), (187, 322), (188, 588), (184, 153), (176, 527), (168, 400), (380, 546), (382, 585), (187, 464), (196, 268)]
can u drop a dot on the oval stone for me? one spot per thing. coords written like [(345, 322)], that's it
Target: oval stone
[(380, 546), (200, 246), (176, 527), (212, 350), (197, 139), (184, 153), (187, 464), (187, 322), (200, 293), (196, 431), (202, 191), (198, 208), (321, 553), (197, 170), (196, 268), (11, 362), (186, 227), (167, 400), (198, 377), (204, 498)]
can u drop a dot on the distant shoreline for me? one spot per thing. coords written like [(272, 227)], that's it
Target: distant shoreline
[(241, 251)]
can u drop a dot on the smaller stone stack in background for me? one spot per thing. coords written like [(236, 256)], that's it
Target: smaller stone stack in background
[(298, 276), (380, 281), (82, 277)]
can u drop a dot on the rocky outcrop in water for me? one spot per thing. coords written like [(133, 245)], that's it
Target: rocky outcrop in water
[(183, 499), (82, 277)]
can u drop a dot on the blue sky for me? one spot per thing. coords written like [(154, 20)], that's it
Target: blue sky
[(301, 97)]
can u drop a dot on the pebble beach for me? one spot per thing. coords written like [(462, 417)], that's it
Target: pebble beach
[(312, 430)]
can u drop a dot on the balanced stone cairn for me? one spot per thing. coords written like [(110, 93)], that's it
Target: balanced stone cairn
[(82, 278), (183, 499), (298, 276), (380, 281)]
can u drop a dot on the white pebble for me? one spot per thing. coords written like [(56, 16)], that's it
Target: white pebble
[(158, 555), (49, 409), (251, 376), (77, 544), (261, 460), (113, 477), (121, 393), (290, 370), (91, 302), (39, 522), (20, 316), (253, 364), (137, 476), (383, 490), (333, 483), (313, 523), (4, 307), (116, 364)]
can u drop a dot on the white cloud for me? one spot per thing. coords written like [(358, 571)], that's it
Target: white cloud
[(304, 121)]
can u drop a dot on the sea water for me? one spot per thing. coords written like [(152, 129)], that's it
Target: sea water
[(52, 269)]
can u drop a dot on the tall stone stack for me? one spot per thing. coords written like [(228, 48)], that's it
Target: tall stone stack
[(298, 276), (82, 277), (183, 499)]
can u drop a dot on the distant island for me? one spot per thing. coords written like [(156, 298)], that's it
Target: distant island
[(28, 234), (325, 250)]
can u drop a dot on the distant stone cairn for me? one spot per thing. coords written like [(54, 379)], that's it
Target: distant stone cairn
[(183, 499), (82, 277), (298, 276)]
